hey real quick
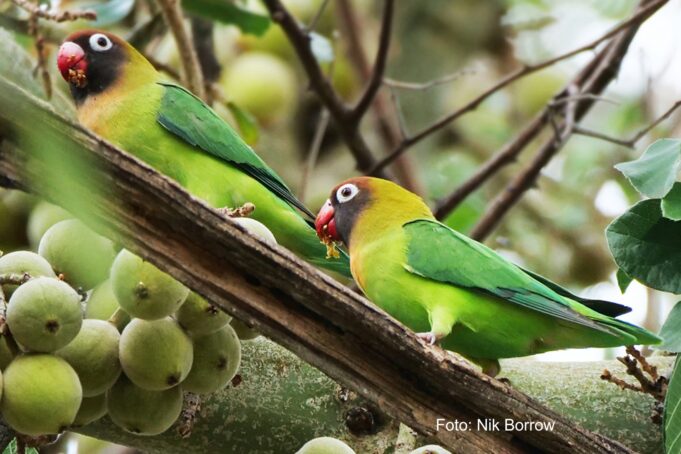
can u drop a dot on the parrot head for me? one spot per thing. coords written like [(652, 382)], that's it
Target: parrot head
[(337, 216), (381, 202), (91, 61)]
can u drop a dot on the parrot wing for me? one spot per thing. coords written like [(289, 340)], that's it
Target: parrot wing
[(439, 253), (189, 118)]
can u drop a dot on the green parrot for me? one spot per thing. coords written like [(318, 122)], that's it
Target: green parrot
[(453, 290), (121, 97)]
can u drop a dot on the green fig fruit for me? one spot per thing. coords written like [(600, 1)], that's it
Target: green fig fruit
[(140, 411), (325, 445), (91, 409), (430, 449), (21, 263), (44, 314), (82, 256), (155, 355), (93, 354), (143, 290), (199, 317), (43, 216), (257, 228), (8, 350), (244, 331), (216, 360), (41, 394), (102, 305)]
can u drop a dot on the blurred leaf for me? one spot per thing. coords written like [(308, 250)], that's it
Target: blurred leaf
[(247, 124), (321, 47), (229, 13), (671, 204), (671, 331), (109, 12), (17, 66), (672, 413), (654, 173), (623, 280), (647, 246)]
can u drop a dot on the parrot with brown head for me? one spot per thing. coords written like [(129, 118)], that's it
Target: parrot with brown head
[(121, 97), (454, 290)]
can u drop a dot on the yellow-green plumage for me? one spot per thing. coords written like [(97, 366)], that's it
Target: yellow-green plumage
[(129, 113), (401, 257)]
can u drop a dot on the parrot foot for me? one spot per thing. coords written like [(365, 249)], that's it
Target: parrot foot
[(241, 212), (429, 338)]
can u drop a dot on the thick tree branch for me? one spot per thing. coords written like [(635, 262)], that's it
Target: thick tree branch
[(319, 83), (633, 22), (289, 301), (585, 100), (191, 68)]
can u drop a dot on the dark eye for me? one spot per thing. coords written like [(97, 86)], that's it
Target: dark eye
[(346, 192), (100, 42)]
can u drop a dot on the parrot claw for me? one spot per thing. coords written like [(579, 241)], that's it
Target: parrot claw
[(429, 338)]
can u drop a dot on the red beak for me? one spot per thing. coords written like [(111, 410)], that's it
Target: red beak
[(72, 64), (325, 224)]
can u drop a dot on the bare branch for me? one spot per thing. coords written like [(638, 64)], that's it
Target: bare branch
[(629, 143), (592, 79), (319, 83), (191, 68), (62, 16), (639, 16), (379, 67)]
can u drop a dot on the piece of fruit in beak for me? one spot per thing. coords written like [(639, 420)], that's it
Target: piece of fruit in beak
[(72, 64), (325, 224)]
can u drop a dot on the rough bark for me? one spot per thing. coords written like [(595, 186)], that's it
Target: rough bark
[(289, 301)]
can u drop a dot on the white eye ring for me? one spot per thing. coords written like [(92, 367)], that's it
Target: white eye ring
[(100, 42), (346, 192)]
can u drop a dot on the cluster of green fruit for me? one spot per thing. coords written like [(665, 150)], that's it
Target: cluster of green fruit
[(90, 330)]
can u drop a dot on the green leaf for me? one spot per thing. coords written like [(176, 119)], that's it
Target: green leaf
[(247, 124), (321, 47), (654, 173), (623, 280), (647, 246), (671, 204), (671, 331), (229, 13), (672, 412), (11, 448)]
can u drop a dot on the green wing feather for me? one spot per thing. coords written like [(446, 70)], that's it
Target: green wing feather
[(439, 253), (186, 116)]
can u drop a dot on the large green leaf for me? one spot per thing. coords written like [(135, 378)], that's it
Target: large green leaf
[(672, 413), (647, 246), (623, 280), (654, 173), (671, 204), (671, 331), (228, 13)]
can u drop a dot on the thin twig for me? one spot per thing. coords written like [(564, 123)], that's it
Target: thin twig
[(318, 15), (191, 68), (629, 143), (640, 15), (313, 153), (420, 86), (164, 67), (41, 54), (400, 115), (379, 66), (63, 16)]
